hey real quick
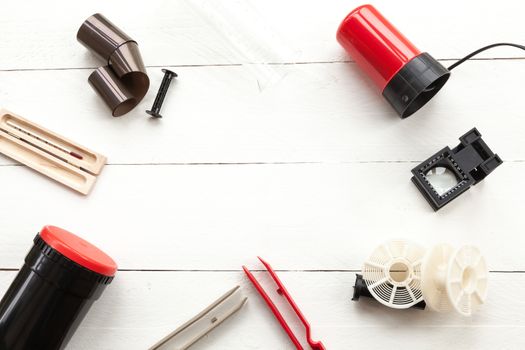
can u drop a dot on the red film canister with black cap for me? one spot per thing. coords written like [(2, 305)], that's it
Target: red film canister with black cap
[(63, 275), (406, 77)]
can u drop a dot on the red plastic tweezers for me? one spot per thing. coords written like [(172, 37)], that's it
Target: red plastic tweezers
[(315, 345)]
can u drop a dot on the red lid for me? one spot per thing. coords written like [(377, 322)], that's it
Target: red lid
[(375, 44), (80, 251)]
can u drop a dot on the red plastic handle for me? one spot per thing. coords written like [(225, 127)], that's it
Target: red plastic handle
[(315, 345)]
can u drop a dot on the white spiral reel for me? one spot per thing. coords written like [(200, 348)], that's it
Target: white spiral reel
[(454, 279), (393, 274)]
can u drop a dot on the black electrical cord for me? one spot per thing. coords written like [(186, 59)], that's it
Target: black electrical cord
[(470, 55)]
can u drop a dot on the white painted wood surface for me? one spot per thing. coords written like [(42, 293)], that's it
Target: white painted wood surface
[(300, 161)]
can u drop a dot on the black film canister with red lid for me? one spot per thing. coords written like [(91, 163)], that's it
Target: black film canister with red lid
[(407, 78), (61, 278)]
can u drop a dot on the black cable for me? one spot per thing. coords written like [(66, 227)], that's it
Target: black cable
[(470, 55)]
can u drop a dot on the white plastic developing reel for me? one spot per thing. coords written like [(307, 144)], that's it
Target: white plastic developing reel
[(393, 274), (400, 274), (454, 279)]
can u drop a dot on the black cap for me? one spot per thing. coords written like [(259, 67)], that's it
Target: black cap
[(415, 84)]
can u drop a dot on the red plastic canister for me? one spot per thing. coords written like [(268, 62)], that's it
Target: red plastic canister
[(406, 77)]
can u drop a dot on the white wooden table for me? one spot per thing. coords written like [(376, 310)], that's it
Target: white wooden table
[(301, 162)]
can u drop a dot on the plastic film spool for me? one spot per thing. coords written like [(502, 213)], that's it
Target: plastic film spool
[(393, 274), (454, 279)]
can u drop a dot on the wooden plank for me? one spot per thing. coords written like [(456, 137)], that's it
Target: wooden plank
[(315, 113), (195, 32), (141, 307), (299, 216), (335, 178)]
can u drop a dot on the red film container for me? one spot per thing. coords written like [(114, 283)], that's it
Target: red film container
[(407, 78), (62, 277)]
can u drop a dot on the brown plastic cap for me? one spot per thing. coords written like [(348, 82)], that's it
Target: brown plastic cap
[(118, 98), (127, 64), (101, 36), (123, 82)]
